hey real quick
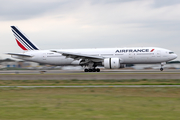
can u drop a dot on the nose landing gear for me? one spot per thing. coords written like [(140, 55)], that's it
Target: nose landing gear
[(162, 64), (161, 69)]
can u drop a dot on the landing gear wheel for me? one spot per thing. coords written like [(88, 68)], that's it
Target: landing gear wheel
[(94, 70), (90, 70), (86, 70), (97, 70), (161, 69)]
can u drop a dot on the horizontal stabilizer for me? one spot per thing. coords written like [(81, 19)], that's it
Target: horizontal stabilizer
[(19, 54)]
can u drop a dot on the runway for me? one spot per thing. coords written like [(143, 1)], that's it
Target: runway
[(81, 71), (80, 75), (96, 86)]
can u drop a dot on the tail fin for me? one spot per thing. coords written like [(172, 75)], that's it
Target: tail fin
[(23, 42)]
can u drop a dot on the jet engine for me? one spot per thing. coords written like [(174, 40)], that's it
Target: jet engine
[(112, 63)]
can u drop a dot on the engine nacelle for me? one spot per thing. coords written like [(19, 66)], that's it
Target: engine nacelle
[(112, 63)]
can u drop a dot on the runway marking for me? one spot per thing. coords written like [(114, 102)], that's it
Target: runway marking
[(95, 86)]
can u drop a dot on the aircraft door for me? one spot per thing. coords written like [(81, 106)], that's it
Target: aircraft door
[(44, 56), (131, 57), (158, 53)]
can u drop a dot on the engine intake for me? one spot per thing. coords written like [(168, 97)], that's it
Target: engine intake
[(112, 63)]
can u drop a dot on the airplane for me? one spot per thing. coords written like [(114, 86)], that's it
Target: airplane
[(110, 58)]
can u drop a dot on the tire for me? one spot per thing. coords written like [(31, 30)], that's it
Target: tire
[(90, 70), (161, 69), (94, 70), (86, 70), (97, 70)]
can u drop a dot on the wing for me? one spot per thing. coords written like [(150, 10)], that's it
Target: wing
[(19, 54), (78, 56)]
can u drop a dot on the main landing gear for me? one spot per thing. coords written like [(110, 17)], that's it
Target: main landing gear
[(92, 70), (91, 67)]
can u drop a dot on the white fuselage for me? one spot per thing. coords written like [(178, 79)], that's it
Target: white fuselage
[(135, 55)]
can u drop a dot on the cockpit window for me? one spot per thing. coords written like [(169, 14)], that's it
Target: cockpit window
[(171, 52)]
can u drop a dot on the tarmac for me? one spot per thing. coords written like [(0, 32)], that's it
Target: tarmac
[(80, 75)]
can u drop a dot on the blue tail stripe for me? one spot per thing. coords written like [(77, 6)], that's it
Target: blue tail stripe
[(14, 28), (24, 43)]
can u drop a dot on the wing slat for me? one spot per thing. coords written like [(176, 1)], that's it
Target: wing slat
[(77, 55)]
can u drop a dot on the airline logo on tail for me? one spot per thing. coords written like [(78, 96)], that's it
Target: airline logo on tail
[(23, 42), (152, 50)]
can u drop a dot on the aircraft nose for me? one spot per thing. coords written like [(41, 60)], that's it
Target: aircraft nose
[(175, 56)]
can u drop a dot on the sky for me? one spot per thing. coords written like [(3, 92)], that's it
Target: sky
[(56, 24)]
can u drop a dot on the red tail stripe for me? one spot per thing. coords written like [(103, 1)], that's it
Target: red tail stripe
[(20, 45)]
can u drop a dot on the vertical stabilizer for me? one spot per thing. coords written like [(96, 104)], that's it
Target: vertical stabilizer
[(22, 41)]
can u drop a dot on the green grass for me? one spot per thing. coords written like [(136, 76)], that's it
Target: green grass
[(88, 82), (90, 103)]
